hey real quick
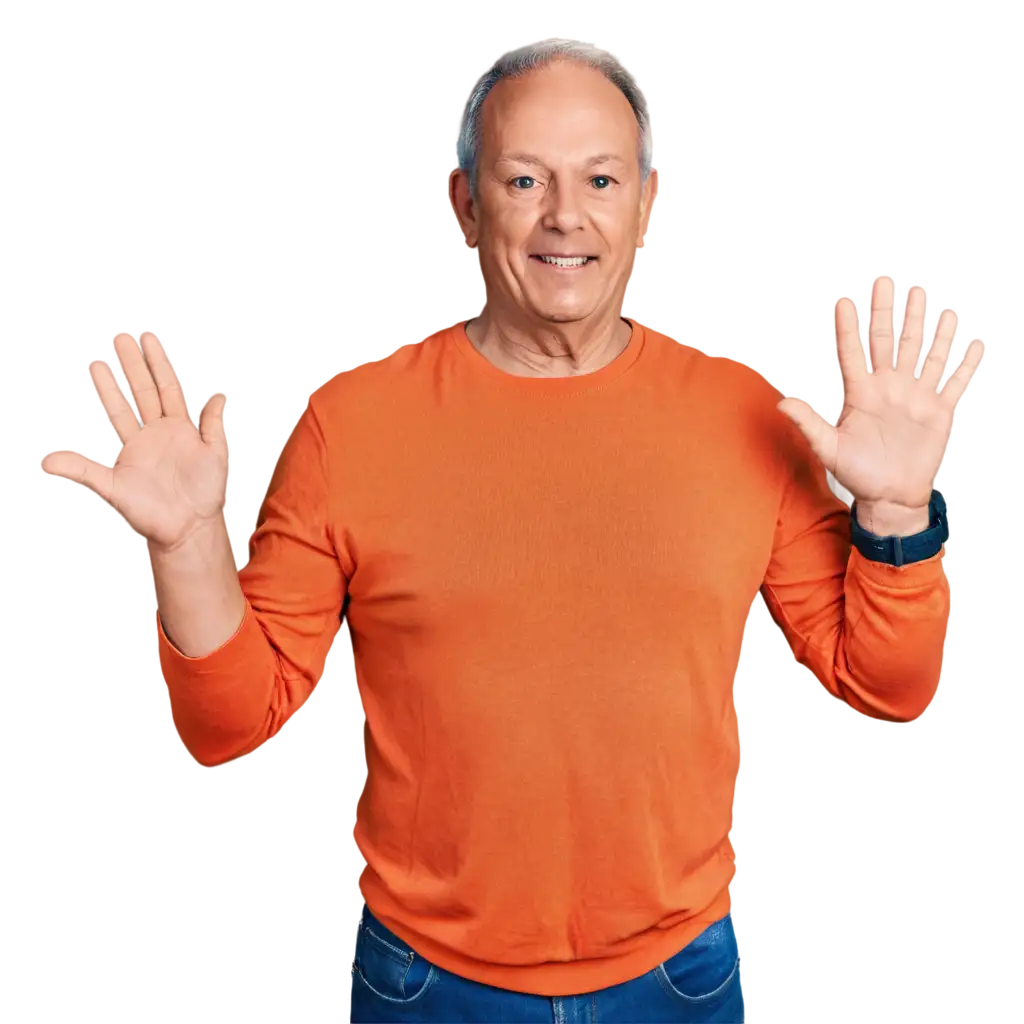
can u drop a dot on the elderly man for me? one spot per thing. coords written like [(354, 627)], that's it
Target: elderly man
[(546, 526)]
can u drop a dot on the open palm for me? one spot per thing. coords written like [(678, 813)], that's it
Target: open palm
[(169, 477), (889, 440)]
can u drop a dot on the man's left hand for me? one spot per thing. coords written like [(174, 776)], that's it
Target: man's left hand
[(889, 441)]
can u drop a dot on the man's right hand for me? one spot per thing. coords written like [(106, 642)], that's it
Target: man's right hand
[(169, 478)]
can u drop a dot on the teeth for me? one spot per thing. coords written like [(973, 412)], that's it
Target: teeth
[(566, 261)]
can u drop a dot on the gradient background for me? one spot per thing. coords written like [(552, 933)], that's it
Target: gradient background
[(202, 171)]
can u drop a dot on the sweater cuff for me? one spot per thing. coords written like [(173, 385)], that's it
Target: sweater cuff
[(908, 575), (226, 656)]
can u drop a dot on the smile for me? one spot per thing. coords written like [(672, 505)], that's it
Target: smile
[(566, 261)]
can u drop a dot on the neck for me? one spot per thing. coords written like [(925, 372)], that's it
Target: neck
[(531, 347)]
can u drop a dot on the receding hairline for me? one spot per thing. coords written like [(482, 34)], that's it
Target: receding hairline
[(537, 56), (532, 159)]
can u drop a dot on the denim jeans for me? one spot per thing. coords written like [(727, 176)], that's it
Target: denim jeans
[(392, 982)]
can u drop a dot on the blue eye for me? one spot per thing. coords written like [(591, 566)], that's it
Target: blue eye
[(523, 177), (599, 178)]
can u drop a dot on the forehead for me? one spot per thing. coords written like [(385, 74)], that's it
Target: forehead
[(561, 111)]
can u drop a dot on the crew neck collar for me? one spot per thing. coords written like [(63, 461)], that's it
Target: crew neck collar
[(550, 386)]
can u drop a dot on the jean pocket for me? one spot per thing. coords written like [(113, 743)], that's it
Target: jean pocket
[(387, 965), (704, 970)]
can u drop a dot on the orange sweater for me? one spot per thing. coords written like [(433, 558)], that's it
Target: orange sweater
[(546, 582)]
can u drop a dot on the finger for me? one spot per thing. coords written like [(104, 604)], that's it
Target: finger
[(82, 470), (912, 337), (935, 363), (172, 398), (957, 383), (880, 338), (211, 422), (851, 352), (121, 414), (140, 380), (820, 434)]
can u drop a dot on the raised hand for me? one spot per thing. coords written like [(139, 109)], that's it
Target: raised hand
[(169, 477), (888, 443)]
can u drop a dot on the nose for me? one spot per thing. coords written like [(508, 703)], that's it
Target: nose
[(563, 209)]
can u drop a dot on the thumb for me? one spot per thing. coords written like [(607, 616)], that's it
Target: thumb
[(820, 434), (211, 422), (82, 470)]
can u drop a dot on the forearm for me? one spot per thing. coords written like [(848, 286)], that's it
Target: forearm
[(878, 646), (890, 655), (198, 595), (248, 658)]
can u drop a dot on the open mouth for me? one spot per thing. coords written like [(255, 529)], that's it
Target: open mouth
[(565, 262)]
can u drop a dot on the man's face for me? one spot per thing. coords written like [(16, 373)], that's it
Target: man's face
[(558, 176)]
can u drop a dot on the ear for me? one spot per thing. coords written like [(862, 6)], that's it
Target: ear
[(464, 207), (647, 194)]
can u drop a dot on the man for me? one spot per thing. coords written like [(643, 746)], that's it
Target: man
[(545, 527)]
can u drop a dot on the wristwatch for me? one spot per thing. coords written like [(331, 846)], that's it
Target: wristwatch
[(901, 550)]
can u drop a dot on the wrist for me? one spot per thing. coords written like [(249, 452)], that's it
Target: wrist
[(200, 537), (889, 519)]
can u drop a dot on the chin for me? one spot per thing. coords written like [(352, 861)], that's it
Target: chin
[(561, 312)]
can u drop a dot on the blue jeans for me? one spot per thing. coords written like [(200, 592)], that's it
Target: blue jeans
[(392, 982)]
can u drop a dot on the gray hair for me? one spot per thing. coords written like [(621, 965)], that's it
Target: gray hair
[(526, 58)]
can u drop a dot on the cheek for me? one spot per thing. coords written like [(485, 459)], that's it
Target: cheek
[(511, 225), (618, 228)]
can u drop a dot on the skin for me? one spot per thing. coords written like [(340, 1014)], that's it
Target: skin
[(558, 173)]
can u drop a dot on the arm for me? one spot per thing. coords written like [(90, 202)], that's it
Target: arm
[(275, 620), (871, 632)]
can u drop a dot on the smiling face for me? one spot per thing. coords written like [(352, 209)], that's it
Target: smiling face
[(560, 209)]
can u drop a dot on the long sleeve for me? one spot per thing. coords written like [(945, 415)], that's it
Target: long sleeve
[(230, 701), (871, 632)]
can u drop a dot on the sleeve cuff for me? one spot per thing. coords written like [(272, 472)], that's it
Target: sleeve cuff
[(221, 657), (908, 575)]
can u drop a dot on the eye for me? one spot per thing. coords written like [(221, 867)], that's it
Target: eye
[(518, 182), (601, 181)]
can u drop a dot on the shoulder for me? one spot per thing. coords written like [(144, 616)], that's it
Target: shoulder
[(722, 375), (736, 404), (378, 384)]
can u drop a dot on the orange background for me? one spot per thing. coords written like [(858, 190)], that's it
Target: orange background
[(281, 169)]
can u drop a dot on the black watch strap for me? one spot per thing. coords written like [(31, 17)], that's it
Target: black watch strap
[(901, 550)]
